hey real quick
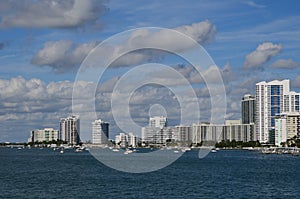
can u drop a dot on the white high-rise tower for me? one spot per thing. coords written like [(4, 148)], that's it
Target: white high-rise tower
[(272, 98), (100, 132), (70, 129)]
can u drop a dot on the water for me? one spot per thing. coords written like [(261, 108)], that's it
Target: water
[(44, 173)]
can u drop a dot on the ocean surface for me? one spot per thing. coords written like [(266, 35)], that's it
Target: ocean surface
[(44, 173)]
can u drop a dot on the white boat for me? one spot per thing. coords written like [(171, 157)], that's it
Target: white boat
[(185, 149), (62, 151), (213, 151), (115, 150), (176, 151), (128, 151), (78, 150)]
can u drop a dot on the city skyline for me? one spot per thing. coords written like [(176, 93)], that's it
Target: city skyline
[(40, 53)]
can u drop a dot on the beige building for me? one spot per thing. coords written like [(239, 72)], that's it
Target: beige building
[(40, 135), (232, 130)]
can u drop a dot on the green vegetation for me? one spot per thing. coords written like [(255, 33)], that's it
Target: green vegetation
[(237, 144), (44, 143), (293, 142)]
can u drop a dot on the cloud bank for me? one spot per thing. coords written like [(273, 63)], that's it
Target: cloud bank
[(285, 64), (64, 55), (50, 13)]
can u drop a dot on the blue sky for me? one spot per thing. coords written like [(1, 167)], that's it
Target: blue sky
[(42, 44)]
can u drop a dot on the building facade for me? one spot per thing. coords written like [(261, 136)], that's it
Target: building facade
[(70, 129), (100, 132), (266, 110), (183, 133), (157, 135), (127, 140), (280, 131), (248, 109), (122, 140), (132, 140), (287, 126), (41, 135), (158, 122), (232, 130)]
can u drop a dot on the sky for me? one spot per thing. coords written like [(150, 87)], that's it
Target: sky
[(44, 43)]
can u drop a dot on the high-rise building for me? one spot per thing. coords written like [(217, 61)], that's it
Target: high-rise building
[(291, 102), (280, 130), (248, 109), (40, 135), (100, 132), (70, 129), (158, 122), (272, 98)]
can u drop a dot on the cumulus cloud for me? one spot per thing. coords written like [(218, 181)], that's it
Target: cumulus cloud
[(50, 13), (203, 32), (30, 104), (62, 55), (262, 54), (285, 64), (65, 55)]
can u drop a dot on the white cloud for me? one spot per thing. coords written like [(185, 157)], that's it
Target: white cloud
[(262, 54), (203, 32), (30, 104), (50, 14), (64, 55), (285, 64)]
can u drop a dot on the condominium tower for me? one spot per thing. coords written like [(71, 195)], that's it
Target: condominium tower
[(248, 109), (70, 129), (272, 98), (100, 132)]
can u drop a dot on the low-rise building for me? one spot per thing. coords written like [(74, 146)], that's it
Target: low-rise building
[(232, 130), (287, 126), (41, 135)]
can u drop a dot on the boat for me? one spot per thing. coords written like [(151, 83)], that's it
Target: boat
[(128, 151), (176, 151), (115, 150), (184, 149), (213, 151), (78, 150), (62, 151)]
